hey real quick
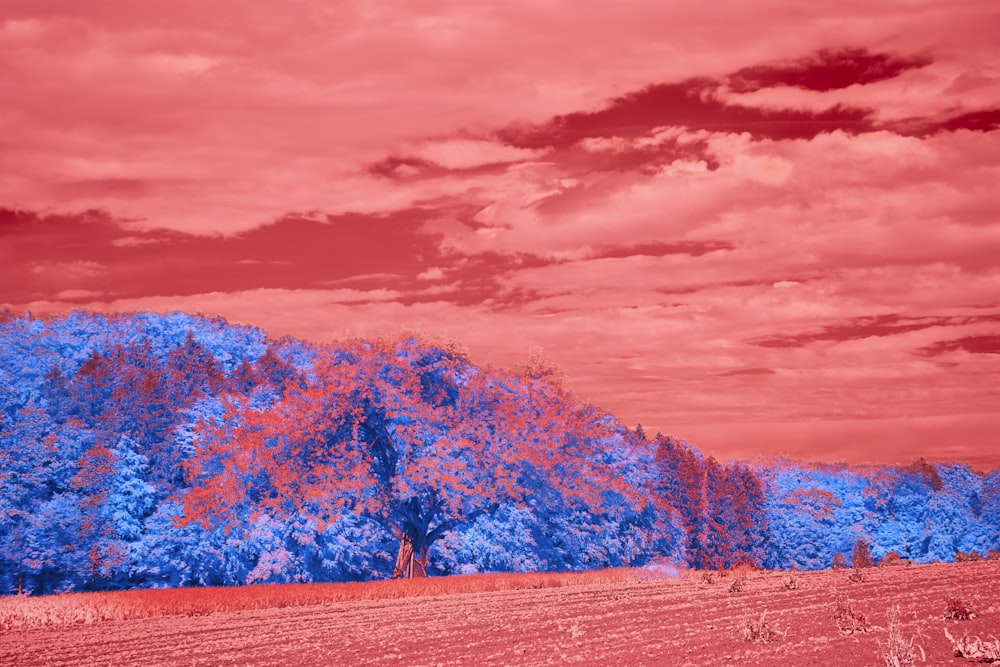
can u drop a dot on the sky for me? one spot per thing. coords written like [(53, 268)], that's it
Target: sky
[(768, 228)]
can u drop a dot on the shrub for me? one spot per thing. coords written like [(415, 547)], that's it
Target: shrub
[(708, 577), (791, 582), (739, 584), (756, 629), (892, 559), (961, 557), (839, 562), (897, 651), (973, 555), (848, 619), (992, 555), (959, 610), (857, 576), (974, 648)]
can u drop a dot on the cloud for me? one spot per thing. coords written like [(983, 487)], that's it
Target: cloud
[(648, 193), (469, 153), (433, 273), (989, 344), (69, 271)]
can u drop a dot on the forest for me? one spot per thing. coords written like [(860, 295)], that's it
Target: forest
[(149, 451)]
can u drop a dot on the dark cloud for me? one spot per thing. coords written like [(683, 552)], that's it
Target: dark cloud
[(829, 69), (293, 252), (984, 120), (867, 327), (692, 104), (989, 344), (660, 249), (90, 257), (747, 371)]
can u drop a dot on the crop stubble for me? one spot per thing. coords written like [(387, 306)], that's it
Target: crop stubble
[(651, 621)]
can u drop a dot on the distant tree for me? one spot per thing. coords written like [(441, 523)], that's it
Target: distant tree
[(861, 557), (680, 482), (735, 521)]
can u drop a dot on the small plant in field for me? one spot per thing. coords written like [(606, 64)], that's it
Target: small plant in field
[(739, 584), (848, 619), (959, 609), (975, 648), (839, 562), (975, 555), (961, 557), (857, 576), (791, 582), (897, 651), (992, 555), (756, 629), (708, 577)]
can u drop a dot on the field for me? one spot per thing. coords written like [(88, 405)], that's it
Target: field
[(628, 617)]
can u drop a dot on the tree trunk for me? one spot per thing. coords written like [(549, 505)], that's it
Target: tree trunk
[(409, 563)]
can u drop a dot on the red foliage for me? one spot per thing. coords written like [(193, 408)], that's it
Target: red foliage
[(406, 433), (817, 503)]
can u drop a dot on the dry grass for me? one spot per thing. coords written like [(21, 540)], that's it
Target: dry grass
[(975, 648), (18, 613), (898, 651)]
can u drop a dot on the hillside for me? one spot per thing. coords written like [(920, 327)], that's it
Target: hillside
[(147, 450)]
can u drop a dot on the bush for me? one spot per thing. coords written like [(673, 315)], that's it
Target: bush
[(757, 630), (848, 619), (892, 559), (959, 610), (839, 562), (961, 557)]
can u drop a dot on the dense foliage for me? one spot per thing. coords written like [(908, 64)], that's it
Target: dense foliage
[(169, 450)]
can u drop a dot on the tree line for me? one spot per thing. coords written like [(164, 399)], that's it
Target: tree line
[(147, 450)]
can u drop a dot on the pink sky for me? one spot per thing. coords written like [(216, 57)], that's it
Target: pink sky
[(767, 227)]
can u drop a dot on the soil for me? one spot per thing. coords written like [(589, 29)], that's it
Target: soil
[(658, 621)]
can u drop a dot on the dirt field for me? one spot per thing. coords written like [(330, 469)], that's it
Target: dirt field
[(659, 621)]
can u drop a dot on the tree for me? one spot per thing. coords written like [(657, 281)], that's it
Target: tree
[(735, 523), (861, 557), (409, 435), (680, 482)]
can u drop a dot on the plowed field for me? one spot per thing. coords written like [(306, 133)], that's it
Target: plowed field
[(658, 621)]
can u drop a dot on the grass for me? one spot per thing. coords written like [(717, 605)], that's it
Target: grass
[(18, 613)]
